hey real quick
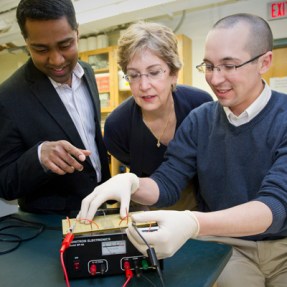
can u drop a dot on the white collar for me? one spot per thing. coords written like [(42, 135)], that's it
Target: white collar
[(252, 111), (78, 72)]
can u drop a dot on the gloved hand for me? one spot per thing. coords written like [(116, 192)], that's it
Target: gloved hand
[(175, 228), (120, 187)]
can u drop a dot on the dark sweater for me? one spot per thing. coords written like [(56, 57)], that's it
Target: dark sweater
[(234, 165)]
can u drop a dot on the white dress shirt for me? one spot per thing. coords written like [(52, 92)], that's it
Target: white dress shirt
[(79, 105)]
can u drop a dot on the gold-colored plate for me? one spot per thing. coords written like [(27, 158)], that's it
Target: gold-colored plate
[(102, 223)]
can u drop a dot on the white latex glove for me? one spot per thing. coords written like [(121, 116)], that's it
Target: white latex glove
[(120, 187), (175, 228)]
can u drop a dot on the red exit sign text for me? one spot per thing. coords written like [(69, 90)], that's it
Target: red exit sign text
[(277, 10)]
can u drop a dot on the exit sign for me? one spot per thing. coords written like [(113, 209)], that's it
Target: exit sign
[(277, 10)]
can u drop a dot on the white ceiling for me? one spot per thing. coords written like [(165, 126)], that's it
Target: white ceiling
[(99, 15)]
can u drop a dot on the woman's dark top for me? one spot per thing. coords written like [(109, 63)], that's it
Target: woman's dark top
[(130, 141)]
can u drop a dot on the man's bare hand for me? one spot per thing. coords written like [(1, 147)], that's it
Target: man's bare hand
[(61, 157)]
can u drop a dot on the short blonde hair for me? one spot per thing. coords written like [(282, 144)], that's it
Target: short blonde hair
[(155, 37)]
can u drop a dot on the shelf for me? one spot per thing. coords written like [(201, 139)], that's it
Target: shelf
[(99, 71), (104, 64), (106, 110)]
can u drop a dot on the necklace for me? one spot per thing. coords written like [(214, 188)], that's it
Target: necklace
[(163, 131)]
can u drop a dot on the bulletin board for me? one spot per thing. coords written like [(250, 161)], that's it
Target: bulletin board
[(276, 77)]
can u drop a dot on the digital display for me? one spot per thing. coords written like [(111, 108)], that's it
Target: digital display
[(114, 247)]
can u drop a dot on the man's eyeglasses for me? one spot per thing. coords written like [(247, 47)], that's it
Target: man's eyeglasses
[(226, 68), (134, 77)]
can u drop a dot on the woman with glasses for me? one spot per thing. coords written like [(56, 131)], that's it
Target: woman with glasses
[(138, 131)]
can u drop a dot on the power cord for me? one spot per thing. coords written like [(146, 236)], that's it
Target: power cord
[(129, 273), (151, 255), (65, 245), (14, 223)]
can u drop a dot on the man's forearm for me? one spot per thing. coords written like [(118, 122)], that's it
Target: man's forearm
[(243, 220)]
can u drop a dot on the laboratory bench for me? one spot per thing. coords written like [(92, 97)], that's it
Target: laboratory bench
[(36, 263)]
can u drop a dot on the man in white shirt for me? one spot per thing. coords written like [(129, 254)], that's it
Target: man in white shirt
[(51, 149)]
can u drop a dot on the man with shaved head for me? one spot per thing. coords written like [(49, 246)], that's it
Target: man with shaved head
[(237, 146)]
